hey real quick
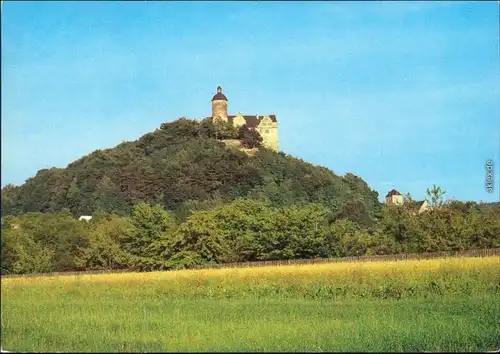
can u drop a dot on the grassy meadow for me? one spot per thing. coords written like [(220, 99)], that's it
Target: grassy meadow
[(450, 304)]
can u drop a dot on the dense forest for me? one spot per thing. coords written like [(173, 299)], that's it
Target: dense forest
[(183, 166), (178, 198)]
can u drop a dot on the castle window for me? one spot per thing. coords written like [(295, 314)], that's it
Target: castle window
[(267, 131)]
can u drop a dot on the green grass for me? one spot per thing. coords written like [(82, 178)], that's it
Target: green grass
[(432, 324), (438, 305)]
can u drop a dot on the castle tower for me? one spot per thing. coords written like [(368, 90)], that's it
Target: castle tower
[(219, 105)]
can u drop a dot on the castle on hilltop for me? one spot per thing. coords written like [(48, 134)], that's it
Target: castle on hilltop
[(266, 125)]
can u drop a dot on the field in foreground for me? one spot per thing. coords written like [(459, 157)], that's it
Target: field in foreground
[(433, 305)]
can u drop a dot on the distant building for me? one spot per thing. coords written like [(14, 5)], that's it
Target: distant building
[(396, 198), (85, 217), (420, 206), (266, 125)]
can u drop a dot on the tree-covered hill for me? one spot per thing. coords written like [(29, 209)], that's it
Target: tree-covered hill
[(188, 200), (184, 167)]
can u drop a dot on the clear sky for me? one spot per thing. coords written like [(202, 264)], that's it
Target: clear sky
[(404, 95)]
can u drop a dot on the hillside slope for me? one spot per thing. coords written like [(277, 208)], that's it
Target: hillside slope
[(182, 167)]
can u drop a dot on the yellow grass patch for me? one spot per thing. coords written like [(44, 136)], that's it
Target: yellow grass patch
[(310, 271)]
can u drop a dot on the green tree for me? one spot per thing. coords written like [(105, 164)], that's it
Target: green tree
[(206, 129), (103, 250), (106, 196), (435, 196), (10, 200), (185, 259), (150, 244), (73, 197), (200, 235), (400, 226), (346, 239), (300, 232), (59, 232), (354, 210), (21, 254), (224, 130), (250, 138)]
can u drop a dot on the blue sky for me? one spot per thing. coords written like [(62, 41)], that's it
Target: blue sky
[(405, 95)]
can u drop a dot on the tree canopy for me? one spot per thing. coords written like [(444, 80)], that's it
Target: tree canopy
[(243, 230)]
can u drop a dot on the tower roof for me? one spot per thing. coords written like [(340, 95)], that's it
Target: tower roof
[(219, 96), (392, 192)]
